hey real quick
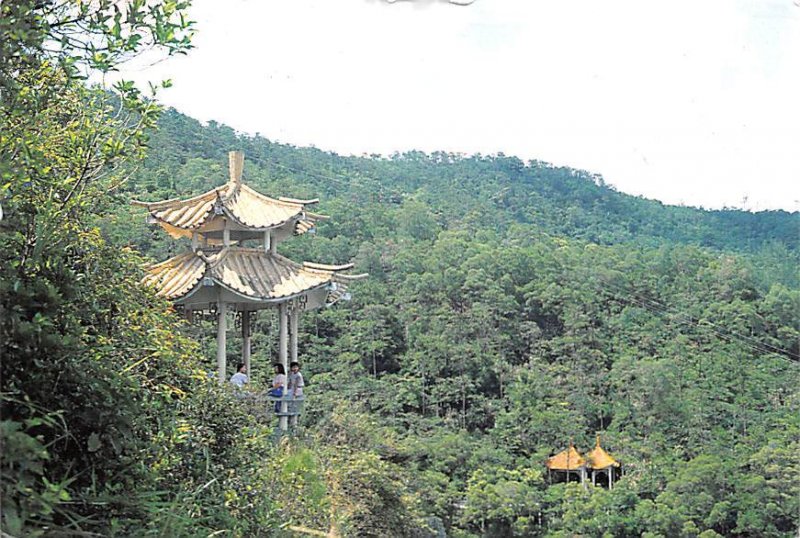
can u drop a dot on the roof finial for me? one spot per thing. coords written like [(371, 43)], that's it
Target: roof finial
[(598, 439), (236, 165)]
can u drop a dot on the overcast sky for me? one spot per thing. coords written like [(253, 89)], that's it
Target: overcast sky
[(693, 102)]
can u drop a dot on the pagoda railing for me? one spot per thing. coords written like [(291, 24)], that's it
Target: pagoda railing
[(265, 406)]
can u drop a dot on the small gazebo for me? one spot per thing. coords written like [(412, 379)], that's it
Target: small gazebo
[(233, 264), (601, 461), (568, 462)]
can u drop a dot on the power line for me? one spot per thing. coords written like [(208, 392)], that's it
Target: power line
[(761, 346), (349, 182), (685, 319), (661, 309)]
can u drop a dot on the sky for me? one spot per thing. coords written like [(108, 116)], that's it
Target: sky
[(687, 102)]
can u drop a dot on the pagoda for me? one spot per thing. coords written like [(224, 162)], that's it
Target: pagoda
[(570, 462), (233, 266), (601, 461)]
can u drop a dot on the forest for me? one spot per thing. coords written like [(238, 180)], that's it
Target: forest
[(512, 308)]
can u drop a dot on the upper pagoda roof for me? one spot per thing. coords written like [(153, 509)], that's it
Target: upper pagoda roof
[(252, 274), (600, 459), (246, 207), (566, 460)]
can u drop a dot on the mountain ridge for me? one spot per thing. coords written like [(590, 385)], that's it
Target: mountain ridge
[(498, 190)]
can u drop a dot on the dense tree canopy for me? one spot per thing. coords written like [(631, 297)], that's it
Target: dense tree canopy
[(513, 306)]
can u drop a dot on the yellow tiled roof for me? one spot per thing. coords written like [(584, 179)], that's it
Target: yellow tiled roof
[(255, 210), (177, 276), (566, 460), (237, 201), (600, 459), (253, 273)]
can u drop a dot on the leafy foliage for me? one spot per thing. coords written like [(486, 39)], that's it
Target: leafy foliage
[(104, 404)]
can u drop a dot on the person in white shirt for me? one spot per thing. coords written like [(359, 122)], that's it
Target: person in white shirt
[(295, 380), (279, 381), (239, 379), (295, 390)]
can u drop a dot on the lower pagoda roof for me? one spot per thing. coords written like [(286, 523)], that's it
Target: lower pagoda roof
[(252, 275)]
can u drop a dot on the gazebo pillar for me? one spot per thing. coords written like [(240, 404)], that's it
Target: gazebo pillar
[(293, 321), (221, 343), (246, 339), (610, 477), (294, 315), (282, 356)]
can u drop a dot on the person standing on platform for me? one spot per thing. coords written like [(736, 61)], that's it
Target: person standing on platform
[(295, 389), (278, 385)]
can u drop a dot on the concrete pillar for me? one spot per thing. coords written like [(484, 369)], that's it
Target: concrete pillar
[(283, 356), (221, 343), (294, 319), (246, 340)]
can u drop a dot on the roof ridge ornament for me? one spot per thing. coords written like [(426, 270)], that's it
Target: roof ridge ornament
[(235, 166)]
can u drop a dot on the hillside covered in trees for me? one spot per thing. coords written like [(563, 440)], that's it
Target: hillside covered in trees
[(482, 192), (515, 306), (511, 308)]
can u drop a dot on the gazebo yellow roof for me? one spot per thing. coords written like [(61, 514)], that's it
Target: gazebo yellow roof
[(566, 460), (246, 207), (600, 459), (251, 273)]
